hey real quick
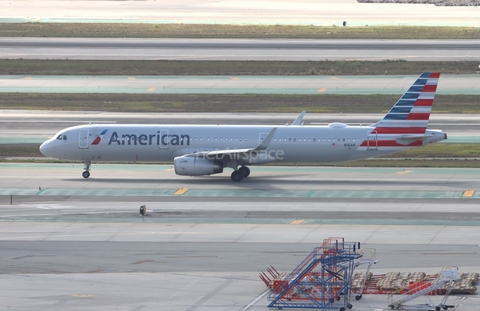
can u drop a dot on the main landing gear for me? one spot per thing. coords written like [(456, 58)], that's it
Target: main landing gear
[(240, 174), (86, 173)]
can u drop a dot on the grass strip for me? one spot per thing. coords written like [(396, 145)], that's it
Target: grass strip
[(144, 30), (228, 68), (317, 103)]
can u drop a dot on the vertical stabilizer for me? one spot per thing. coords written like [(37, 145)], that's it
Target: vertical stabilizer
[(411, 112)]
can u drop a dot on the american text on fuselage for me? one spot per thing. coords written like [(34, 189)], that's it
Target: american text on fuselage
[(149, 139)]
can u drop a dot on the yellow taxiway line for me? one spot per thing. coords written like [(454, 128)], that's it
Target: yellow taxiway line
[(181, 191)]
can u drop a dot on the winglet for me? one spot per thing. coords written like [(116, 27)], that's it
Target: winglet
[(266, 142), (299, 119)]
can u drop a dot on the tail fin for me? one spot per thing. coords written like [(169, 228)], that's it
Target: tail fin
[(411, 112)]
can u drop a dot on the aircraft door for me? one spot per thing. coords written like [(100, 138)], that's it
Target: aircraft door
[(83, 138), (164, 139), (372, 141)]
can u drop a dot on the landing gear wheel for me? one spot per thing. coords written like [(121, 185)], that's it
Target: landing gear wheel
[(86, 173), (236, 176), (341, 309), (358, 297), (437, 308), (349, 306), (245, 171)]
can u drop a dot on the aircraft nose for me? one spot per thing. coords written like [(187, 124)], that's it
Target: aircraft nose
[(45, 149)]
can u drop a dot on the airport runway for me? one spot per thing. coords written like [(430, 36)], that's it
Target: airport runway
[(239, 49), (203, 249), (303, 12), (361, 85)]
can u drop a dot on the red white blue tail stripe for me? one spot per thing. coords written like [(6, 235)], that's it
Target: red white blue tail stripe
[(411, 112)]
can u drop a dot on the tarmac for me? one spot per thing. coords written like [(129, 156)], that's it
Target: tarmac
[(361, 85), (202, 248), (74, 244)]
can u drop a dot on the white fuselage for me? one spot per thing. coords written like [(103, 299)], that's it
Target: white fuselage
[(162, 143)]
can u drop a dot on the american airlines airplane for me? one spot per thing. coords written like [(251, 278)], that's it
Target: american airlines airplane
[(208, 149)]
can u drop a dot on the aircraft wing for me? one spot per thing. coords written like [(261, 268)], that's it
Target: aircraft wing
[(243, 156)]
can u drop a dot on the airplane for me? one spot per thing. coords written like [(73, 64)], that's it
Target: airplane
[(208, 149)]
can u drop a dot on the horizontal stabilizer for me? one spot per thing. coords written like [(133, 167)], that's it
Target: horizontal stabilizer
[(430, 136), (408, 139)]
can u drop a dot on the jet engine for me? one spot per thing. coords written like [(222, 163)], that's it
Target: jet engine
[(196, 166)]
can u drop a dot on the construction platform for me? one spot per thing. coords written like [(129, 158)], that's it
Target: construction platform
[(325, 279)]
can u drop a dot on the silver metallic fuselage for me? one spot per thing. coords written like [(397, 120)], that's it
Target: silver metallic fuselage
[(336, 142)]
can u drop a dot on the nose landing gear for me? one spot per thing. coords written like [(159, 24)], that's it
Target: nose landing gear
[(86, 173)]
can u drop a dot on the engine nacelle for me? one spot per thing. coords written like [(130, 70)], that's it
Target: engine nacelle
[(196, 166)]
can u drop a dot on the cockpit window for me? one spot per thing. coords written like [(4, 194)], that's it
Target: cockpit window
[(62, 137)]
